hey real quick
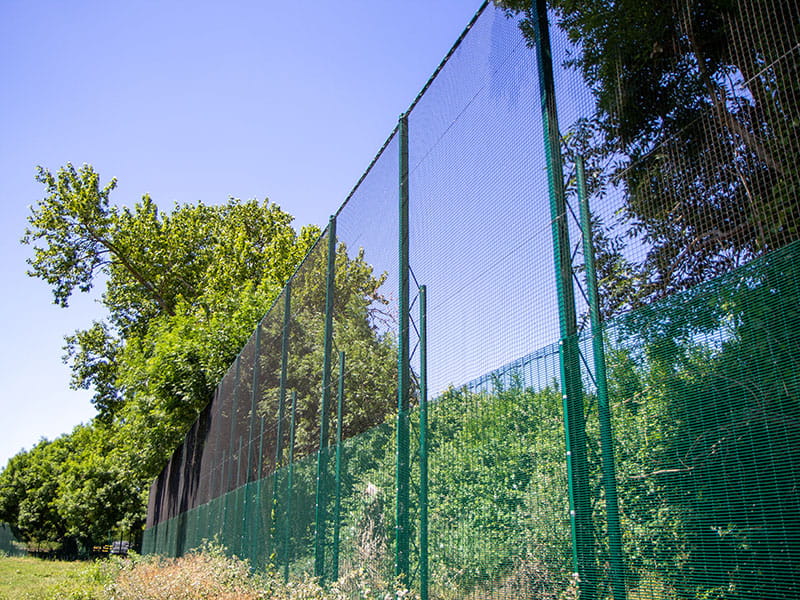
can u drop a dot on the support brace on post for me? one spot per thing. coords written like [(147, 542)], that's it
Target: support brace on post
[(604, 412)]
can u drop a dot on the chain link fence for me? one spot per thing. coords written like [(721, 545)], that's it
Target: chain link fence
[(547, 347)]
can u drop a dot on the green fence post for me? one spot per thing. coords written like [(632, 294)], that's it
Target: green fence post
[(209, 505), (234, 412), (238, 504), (239, 465), (603, 409), (322, 456), (583, 557), (403, 375), (273, 504), (253, 400), (258, 480), (337, 506), (253, 412), (289, 482), (222, 501), (423, 443)]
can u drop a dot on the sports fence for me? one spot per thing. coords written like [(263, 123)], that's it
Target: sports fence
[(629, 428)]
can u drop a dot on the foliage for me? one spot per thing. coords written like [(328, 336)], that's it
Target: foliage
[(704, 389), (183, 290), (207, 573), (497, 489), (497, 475), (28, 487), (695, 125), (201, 263), (358, 331), (708, 406), (210, 573)]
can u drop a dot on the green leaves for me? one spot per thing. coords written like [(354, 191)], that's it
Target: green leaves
[(693, 133), (183, 291), (74, 222)]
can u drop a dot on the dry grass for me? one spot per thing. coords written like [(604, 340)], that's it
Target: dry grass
[(192, 577), (211, 575)]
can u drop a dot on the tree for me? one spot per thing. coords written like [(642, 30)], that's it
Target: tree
[(156, 266), (359, 329), (696, 122), (28, 489), (183, 290), (99, 490)]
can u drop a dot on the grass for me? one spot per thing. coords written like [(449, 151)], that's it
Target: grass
[(208, 574), (23, 578)]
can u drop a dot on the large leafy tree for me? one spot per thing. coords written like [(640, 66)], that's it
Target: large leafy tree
[(360, 316), (696, 122), (182, 290), (197, 262), (28, 488)]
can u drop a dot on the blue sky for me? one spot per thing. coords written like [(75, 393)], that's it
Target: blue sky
[(186, 101)]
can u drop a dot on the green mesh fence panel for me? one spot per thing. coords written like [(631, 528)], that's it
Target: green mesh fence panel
[(685, 115), (704, 388), (8, 543)]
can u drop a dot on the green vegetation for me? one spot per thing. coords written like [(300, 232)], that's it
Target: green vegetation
[(38, 579), (702, 354), (208, 574), (183, 291), (695, 124), (704, 388)]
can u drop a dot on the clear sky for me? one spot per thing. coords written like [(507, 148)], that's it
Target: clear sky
[(186, 101)]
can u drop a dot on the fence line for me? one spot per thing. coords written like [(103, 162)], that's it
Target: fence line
[(628, 428)]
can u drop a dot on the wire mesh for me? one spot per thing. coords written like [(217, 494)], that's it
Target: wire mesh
[(686, 116), (8, 542)]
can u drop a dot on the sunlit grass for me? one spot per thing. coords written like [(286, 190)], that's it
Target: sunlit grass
[(209, 574), (23, 578)]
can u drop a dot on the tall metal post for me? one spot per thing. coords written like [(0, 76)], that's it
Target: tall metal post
[(583, 555), (254, 553), (223, 501), (423, 443), (236, 495), (403, 374), (253, 400), (273, 501), (273, 504), (287, 307), (253, 413), (287, 556), (604, 412), (322, 455), (234, 415), (337, 506)]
